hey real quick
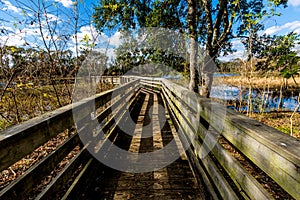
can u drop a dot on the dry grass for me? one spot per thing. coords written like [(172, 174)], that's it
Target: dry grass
[(260, 82), (20, 104), (20, 167), (280, 121)]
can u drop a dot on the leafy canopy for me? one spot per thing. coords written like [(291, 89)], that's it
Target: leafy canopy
[(278, 53)]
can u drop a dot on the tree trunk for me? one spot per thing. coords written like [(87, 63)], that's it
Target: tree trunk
[(194, 74), (192, 24), (208, 70)]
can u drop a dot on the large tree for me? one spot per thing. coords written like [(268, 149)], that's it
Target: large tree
[(278, 54), (229, 19), (208, 22)]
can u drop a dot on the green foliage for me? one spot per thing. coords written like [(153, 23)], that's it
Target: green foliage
[(278, 54), (159, 47), (214, 19), (87, 44), (127, 15), (233, 66), (154, 57), (30, 63)]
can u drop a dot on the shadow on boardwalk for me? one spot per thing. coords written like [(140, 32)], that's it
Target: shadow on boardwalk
[(176, 181)]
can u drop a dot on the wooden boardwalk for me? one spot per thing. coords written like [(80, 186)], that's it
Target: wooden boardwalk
[(229, 156), (175, 181)]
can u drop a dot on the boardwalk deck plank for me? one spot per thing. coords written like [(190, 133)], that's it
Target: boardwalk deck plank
[(175, 181)]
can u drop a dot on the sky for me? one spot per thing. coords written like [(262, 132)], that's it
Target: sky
[(278, 25), (19, 25)]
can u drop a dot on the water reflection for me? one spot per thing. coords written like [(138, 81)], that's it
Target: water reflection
[(261, 101)]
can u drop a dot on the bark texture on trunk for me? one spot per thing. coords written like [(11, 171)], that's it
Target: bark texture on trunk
[(194, 74), (192, 23), (208, 70)]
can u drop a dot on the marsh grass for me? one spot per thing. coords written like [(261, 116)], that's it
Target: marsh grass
[(259, 82), (20, 104), (278, 119)]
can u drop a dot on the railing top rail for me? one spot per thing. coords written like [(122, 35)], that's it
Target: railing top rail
[(19, 140), (274, 152), (214, 113)]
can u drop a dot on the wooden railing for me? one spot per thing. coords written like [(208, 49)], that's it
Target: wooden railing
[(217, 133), (21, 140), (114, 80), (221, 142)]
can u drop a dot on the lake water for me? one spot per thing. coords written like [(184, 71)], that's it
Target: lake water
[(270, 102)]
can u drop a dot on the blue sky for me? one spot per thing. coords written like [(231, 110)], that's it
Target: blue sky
[(19, 24), (278, 25), (17, 28)]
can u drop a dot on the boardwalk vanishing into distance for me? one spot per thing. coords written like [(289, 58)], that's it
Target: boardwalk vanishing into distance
[(175, 181), (124, 138)]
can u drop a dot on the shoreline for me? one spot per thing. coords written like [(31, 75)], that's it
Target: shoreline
[(272, 82), (278, 119)]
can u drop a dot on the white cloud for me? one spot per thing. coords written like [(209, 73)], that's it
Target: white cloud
[(238, 54), (12, 39), (66, 3), (108, 45), (32, 31), (297, 30), (31, 35), (109, 52), (98, 38), (237, 44), (272, 30), (18, 37), (115, 40), (294, 3), (286, 28), (27, 36), (240, 51), (90, 31), (9, 6), (51, 17), (105, 44), (6, 28)]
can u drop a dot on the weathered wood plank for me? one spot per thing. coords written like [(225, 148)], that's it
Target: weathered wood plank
[(88, 105), (151, 86), (243, 180), (274, 152), (220, 182), (54, 188), (97, 141), (184, 123), (251, 138), (33, 133), (186, 128), (154, 184), (188, 97), (220, 117), (85, 168), (197, 169), (20, 187), (183, 110), (241, 177), (151, 83)]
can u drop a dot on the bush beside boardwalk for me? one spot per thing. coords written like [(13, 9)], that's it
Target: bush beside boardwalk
[(26, 101)]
